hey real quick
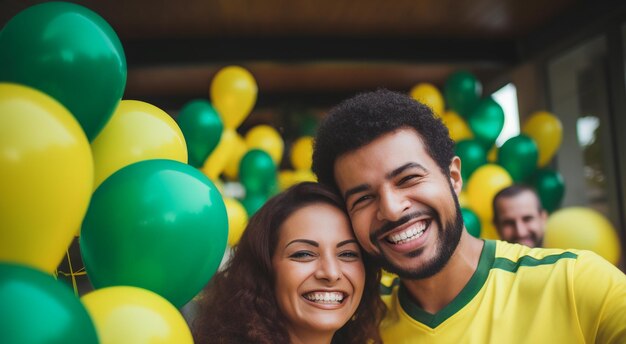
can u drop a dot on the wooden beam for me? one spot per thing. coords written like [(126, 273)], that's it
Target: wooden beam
[(290, 49)]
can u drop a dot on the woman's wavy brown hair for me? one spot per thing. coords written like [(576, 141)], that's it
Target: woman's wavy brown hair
[(239, 304)]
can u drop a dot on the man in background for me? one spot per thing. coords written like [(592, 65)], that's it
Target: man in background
[(518, 216)]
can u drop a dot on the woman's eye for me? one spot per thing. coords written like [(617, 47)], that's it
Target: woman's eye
[(351, 255), (302, 255)]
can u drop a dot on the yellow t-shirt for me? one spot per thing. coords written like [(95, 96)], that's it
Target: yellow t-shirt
[(519, 295)]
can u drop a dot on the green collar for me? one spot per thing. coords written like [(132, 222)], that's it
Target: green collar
[(470, 290)]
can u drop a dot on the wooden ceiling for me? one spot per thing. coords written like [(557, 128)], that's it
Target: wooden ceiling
[(316, 48), (141, 19)]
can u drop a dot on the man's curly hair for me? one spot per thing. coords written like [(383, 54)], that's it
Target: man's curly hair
[(360, 120)]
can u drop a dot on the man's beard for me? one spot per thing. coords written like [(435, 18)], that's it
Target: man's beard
[(536, 239), (447, 242)]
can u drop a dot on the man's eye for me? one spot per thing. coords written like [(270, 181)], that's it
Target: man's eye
[(407, 179), (361, 199)]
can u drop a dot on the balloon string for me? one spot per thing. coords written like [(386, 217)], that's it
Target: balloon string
[(66, 274), (69, 262)]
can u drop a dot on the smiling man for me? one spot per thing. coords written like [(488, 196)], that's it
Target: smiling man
[(518, 215), (393, 162)]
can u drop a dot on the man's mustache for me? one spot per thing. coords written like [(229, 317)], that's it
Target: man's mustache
[(390, 225)]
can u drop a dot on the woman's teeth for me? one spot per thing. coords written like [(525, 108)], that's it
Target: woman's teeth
[(325, 297), (408, 234)]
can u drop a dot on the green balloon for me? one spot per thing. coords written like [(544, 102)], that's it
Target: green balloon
[(70, 53), (519, 155), (252, 203), (37, 309), (257, 172), (160, 225), (472, 154), (550, 188), (308, 124), (472, 222), (486, 121), (202, 128), (462, 92)]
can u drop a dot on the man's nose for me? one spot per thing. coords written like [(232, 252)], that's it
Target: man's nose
[(521, 229), (392, 205)]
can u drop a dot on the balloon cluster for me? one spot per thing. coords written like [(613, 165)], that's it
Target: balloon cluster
[(216, 148), (78, 160), (301, 159), (251, 161), (474, 123)]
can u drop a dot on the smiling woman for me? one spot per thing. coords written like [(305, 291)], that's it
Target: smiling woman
[(297, 276)]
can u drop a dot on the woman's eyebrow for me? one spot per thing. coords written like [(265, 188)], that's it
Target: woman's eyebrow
[(345, 242), (305, 241)]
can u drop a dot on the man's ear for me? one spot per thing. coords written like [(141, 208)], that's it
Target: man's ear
[(455, 175)]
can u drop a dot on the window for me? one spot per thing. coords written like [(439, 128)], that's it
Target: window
[(507, 98), (578, 85)]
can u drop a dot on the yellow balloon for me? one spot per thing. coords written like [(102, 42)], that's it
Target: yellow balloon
[(584, 229), (239, 149), (237, 220), (46, 177), (268, 139), (547, 131), (492, 155), (429, 95), (300, 176), (458, 128), (488, 230), (137, 131), (233, 95), (285, 179), (483, 185), (463, 202), (302, 153), (131, 315), (288, 178), (216, 162)]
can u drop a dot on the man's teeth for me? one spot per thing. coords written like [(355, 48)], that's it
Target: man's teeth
[(325, 297), (409, 234)]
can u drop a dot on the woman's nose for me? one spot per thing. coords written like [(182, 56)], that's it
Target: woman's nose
[(328, 269)]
